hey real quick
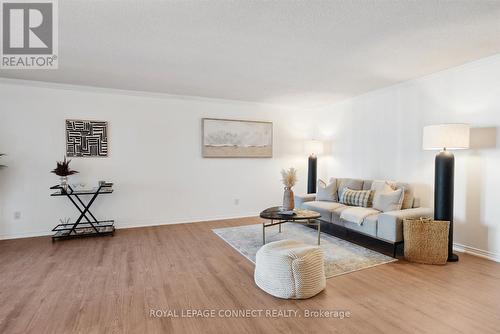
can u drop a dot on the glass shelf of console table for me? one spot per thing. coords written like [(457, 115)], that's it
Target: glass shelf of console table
[(105, 188), (80, 228)]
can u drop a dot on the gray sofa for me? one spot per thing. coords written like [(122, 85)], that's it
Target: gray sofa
[(386, 226)]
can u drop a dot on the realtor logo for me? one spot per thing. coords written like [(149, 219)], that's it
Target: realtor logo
[(29, 34)]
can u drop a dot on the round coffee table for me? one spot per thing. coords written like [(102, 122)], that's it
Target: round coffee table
[(277, 217)]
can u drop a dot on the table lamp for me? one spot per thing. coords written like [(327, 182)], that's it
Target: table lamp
[(313, 148), (445, 137)]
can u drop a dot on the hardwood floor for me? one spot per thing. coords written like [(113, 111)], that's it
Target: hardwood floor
[(110, 284)]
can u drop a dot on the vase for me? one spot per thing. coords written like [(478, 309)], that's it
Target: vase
[(288, 200), (64, 183)]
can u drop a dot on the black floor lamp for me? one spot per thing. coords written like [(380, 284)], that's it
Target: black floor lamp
[(445, 137), (313, 148)]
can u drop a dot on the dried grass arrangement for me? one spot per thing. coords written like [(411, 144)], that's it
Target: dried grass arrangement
[(289, 177)]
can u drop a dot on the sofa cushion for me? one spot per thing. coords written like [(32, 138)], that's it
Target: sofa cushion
[(372, 219), (323, 207), (390, 224), (368, 227), (408, 191), (357, 215), (367, 184), (302, 198), (327, 192), (353, 184), (339, 210), (363, 198), (381, 186), (408, 195), (389, 201), (386, 197)]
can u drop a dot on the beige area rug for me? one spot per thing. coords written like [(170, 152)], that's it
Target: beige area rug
[(341, 257)]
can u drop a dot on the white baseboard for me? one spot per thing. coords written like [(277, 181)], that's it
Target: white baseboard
[(156, 222), (159, 222), (476, 252), (25, 235), (133, 224)]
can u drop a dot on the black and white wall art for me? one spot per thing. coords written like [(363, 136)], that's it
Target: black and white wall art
[(86, 138), (226, 138)]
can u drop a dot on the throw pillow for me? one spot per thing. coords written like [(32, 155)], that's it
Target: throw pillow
[(389, 201), (353, 184), (380, 186), (363, 198), (408, 195), (326, 192)]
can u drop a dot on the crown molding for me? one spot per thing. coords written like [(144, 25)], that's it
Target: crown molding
[(140, 93)]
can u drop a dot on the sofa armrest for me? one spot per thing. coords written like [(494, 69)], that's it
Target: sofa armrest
[(300, 199), (390, 224)]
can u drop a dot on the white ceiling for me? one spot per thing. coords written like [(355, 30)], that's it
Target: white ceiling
[(294, 53)]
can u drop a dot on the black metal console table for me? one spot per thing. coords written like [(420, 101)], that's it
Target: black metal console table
[(80, 228)]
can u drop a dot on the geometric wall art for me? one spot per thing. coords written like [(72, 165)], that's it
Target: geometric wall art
[(229, 138), (86, 138)]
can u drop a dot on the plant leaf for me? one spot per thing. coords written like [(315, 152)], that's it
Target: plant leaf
[(62, 168)]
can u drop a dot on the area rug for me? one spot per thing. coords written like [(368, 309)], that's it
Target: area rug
[(341, 257)]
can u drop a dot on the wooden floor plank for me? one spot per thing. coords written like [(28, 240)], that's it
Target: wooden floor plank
[(109, 285)]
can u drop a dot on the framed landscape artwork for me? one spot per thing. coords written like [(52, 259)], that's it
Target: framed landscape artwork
[(86, 138), (226, 138)]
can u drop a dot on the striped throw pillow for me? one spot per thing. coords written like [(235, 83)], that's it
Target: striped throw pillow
[(363, 198)]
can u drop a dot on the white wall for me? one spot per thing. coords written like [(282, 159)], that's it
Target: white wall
[(161, 177), (379, 135), (155, 157)]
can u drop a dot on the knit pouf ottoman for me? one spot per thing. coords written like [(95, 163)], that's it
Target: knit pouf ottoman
[(290, 269)]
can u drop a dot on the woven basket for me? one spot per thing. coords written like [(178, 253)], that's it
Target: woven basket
[(426, 240)]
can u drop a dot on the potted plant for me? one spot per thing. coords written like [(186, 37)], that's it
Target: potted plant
[(289, 178), (62, 170)]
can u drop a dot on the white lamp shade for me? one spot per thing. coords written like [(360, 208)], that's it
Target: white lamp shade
[(446, 136), (313, 147)]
